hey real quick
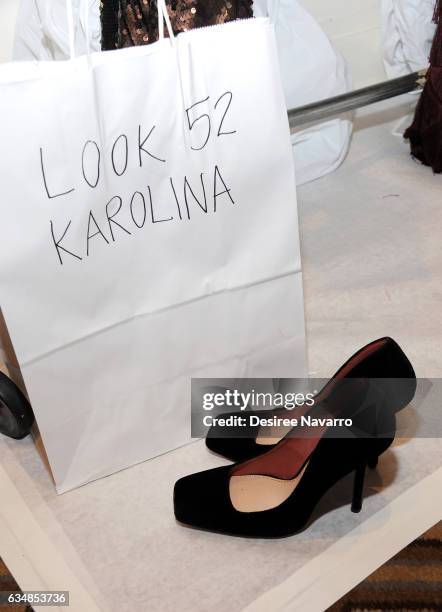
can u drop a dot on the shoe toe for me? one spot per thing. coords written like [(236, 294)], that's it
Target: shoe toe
[(202, 500)]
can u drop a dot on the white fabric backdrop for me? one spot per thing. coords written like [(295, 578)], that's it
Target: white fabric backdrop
[(407, 34)]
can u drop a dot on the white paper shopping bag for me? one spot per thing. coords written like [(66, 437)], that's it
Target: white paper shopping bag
[(148, 234)]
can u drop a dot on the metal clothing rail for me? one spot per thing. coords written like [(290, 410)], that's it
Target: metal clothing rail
[(325, 109)]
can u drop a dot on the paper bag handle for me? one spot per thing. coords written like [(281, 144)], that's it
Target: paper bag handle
[(71, 28), (163, 16)]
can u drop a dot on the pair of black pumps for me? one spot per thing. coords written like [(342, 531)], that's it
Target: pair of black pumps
[(274, 485)]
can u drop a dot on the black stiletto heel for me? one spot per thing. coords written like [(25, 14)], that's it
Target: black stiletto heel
[(373, 462), (358, 487)]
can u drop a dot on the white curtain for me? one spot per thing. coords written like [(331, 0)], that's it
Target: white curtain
[(42, 32)]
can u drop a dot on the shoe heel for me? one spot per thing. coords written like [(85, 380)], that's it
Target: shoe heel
[(358, 487), (373, 462)]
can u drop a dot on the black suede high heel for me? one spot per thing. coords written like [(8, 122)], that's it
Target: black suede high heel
[(382, 358), (275, 494)]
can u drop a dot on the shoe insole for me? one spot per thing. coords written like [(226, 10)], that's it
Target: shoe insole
[(255, 493), (269, 436)]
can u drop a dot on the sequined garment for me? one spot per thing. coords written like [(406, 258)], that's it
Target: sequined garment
[(127, 23)]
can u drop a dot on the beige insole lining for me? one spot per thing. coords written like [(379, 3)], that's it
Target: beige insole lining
[(255, 493), (269, 436)]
